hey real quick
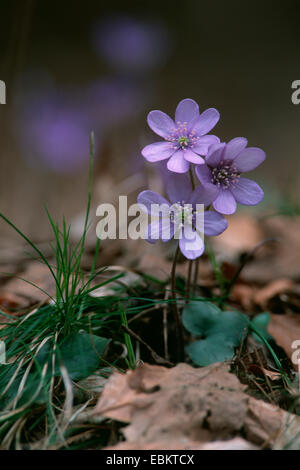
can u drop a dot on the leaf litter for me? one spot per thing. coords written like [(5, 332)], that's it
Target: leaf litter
[(186, 407)]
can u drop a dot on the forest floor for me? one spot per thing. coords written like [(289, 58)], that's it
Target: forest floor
[(120, 380)]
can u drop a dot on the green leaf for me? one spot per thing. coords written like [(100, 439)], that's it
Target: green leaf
[(81, 354), (261, 322), (198, 317), (210, 350), (220, 332)]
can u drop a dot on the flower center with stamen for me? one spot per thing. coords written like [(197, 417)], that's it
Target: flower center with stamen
[(182, 138), (183, 142), (225, 175), (181, 214)]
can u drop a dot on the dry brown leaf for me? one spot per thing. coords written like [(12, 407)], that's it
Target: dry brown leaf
[(26, 294), (270, 426), (243, 234), (187, 407), (277, 287), (10, 301), (280, 259), (262, 372), (285, 329), (174, 403), (271, 374), (156, 265), (243, 294), (273, 260), (185, 444)]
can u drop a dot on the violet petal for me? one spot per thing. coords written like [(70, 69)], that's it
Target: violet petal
[(191, 243), (186, 111), (249, 159), (192, 157), (147, 198), (161, 123), (207, 120), (247, 192), (204, 174), (225, 203), (234, 147), (178, 187), (158, 151), (204, 195), (215, 155), (214, 223), (177, 162)]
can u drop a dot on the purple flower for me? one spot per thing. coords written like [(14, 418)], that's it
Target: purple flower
[(130, 44), (52, 128), (178, 217), (222, 174), (185, 138), (56, 136)]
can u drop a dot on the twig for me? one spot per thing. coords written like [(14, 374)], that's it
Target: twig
[(260, 388), (165, 327), (144, 312), (246, 259), (156, 357), (265, 375)]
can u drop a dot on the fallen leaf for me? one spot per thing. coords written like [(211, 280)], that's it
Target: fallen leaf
[(174, 403), (242, 235), (243, 294), (10, 301), (185, 444), (280, 259), (285, 329), (26, 294), (271, 374), (277, 287), (188, 408), (271, 427)]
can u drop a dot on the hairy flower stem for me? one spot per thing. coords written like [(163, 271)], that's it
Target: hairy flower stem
[(190, 268), (179, 328), (195, 276), (192, 178), (188, 283)]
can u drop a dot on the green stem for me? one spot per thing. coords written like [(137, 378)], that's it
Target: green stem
[(192, 178), (190, 268), (196, 272), (179, 329), (128, 343), (188, 283)]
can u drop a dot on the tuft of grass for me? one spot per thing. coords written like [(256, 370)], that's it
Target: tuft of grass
[(72, 287), (57, 343)]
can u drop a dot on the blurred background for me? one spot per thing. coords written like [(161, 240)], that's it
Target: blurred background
[(74, 67)]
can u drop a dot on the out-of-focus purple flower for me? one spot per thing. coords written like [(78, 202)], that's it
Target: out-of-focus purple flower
[(129, 44), (179, 213), (54, 134), (53, 124), (185, 138), (222, 174)]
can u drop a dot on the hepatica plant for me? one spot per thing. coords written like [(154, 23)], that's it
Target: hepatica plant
[(204, 183), (186, 139)]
